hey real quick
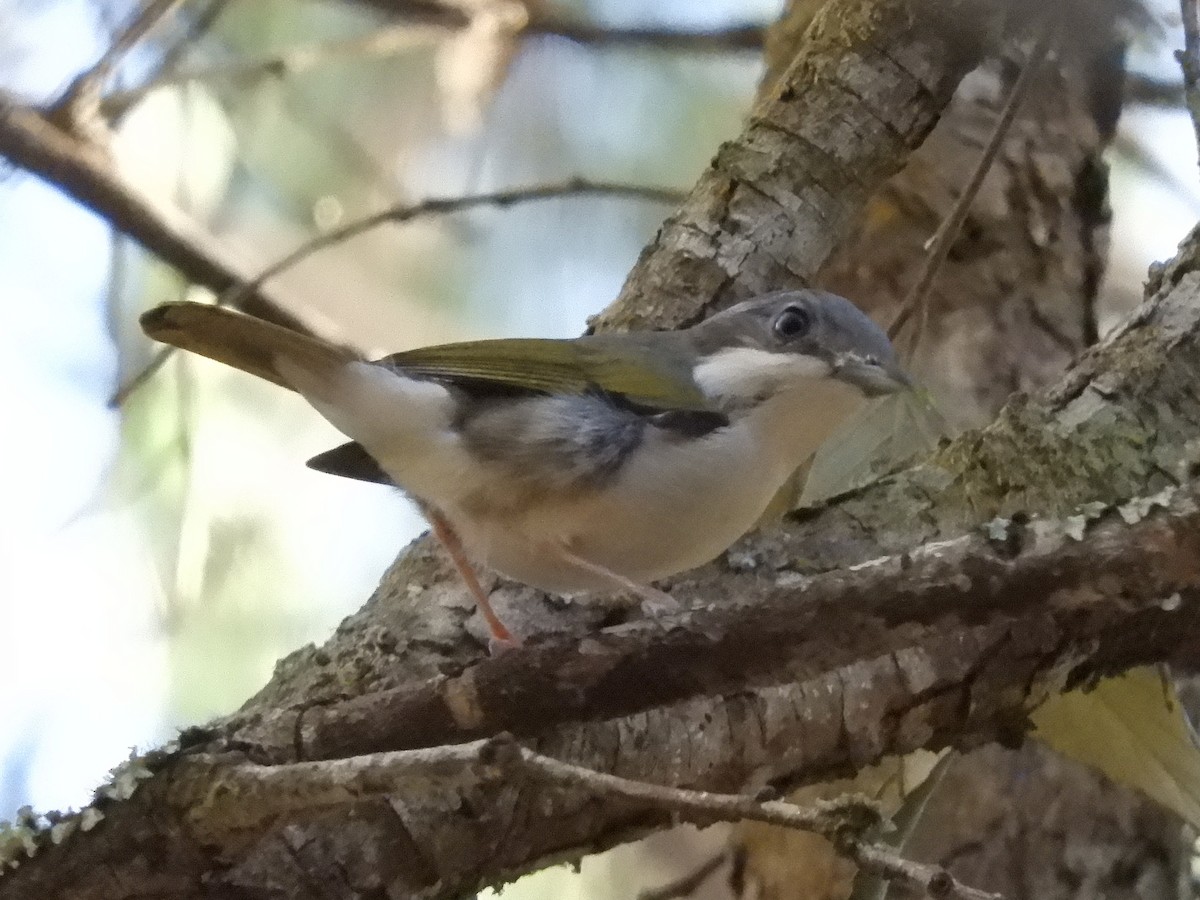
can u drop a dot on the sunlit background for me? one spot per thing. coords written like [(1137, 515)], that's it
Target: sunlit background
[(156, 558)]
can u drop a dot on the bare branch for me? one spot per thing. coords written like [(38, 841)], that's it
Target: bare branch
[(248, 796), (943, 239), (30, 141), (719, 40), (199, 25), (393, 39), (771, 207), (843, 820), (436, 206), (449, 15), (534, 688), (78, 111), (144, 21), (1146, 90), (575, 187), (296, 60), (1189, 61), (934, 881), (283, 789)]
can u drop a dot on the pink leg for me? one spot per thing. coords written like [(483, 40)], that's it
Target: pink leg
[(501, 636), (654, 601)]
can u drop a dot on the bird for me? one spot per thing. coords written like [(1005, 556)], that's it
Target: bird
[(601, 463)]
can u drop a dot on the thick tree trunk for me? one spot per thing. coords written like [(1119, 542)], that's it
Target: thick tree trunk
[(1015, 302)]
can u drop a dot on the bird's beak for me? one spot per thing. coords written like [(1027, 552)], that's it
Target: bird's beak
[(872, 378)]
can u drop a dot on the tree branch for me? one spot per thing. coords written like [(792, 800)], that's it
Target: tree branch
[(142, 23), (77, 111), (292, 61), (836, 124), (575, 187), (453, 16), (392, 39), (1189, 61), (1078, 577), (252, 796), (81, 171), (916, 301), (892, 676), (948, 643)]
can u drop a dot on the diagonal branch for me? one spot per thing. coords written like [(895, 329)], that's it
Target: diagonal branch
[(308, 786), (771, 207), (392, 39), (142, 23), (30, 141), (917, 301), (1189, 61), (1041, 570), (451, 15), (238, 295)]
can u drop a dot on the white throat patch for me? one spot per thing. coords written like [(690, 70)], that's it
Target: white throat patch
[(744, 373)]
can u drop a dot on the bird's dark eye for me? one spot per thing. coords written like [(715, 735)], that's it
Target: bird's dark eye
[(793, 322)]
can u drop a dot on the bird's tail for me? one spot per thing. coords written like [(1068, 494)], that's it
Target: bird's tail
[(253, 345)]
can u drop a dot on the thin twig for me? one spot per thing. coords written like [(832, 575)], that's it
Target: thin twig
[(201, 23), (943, 239), (455, 16), (1147, 90), (386, 41), (261, 792), (32, 142), (79, 108), (831, 818), (1189, 61), (935, 881), (842, 820), (168, 64), (718, 40), (236, 295), (141, 24), (442, 206), (393, 39)]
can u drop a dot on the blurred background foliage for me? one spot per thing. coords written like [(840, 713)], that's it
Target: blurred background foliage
[(157, 556)]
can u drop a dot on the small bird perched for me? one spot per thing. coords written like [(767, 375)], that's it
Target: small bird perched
[(599, 463)]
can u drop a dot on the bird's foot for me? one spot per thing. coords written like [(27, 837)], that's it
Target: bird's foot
[(499, 645), (500, 639), (656, 603)]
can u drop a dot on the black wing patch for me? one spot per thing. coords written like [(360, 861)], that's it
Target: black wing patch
[(690, 423), (350, 461)]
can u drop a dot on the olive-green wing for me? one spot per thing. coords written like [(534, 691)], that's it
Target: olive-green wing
[(558, 367), (632, 366)]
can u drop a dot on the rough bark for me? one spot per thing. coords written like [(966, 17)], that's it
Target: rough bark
[(1042, 826), (1116, 429), (1014, 303), (843, 116), (81, 169), (1018, 297), (947, 644)]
